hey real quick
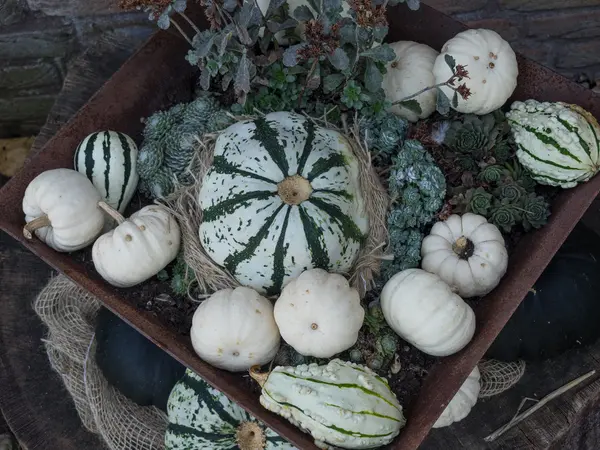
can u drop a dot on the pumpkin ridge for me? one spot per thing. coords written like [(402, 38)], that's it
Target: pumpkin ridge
[(178, 429), (596, 138), (106, 155), (232, 204), (224, 167), (573, 129), (338, 192), (279, 257), (365, 413), (233, 260), (314, 238), (268, 136), (89, 156), (325, 164), (550, 163), (126, 165), (346, 225), (309, 127), (548, 140)]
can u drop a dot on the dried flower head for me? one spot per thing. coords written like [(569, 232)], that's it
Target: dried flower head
[(461, 72), (464, 91), (319, 42), (368, 14)]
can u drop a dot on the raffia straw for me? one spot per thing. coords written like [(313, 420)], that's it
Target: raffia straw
[(211, 277)]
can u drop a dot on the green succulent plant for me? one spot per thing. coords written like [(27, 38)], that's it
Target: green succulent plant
[(504, 216), (479, 201), (384, 135), (536, 211)]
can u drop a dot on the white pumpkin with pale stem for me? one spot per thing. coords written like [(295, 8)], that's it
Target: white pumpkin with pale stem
[(492, 67), (463, 401), (319, 314), (234, 330), (61, 207), (409, 72), (138, 248), (424, 311), (466, 252)]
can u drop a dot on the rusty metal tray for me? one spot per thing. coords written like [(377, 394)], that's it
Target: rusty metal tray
[(158, 73)]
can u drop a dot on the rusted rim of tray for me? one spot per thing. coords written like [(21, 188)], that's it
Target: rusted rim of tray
[(133, 86)]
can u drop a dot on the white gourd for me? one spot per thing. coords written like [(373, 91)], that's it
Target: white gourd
[(341, 404), (234, 329), (424, 311), (467, 252), (492, 67), (557, 142), (61, 206), (138, 248), (319, 314), (463, 401), (409, 72)]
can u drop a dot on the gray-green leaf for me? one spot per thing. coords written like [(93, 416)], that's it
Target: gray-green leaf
[(455, 100), (339, 59), (381, 53), (443, 103), (373, 77), (242, 76), (164, 21), (412, 105), (303, 13), (348, 34), (290, 56), (450, 61), (379, 33), (332, 82), (413, 4)]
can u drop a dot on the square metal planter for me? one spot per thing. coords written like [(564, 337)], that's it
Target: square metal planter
[(157, 75)]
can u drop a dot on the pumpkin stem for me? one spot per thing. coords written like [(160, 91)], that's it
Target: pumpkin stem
[(294, 190), (35, 224), (258, 376), (250, 436), (111, 212), (463, 247)]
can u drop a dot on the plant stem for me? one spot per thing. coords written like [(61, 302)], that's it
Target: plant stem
[(35, 224), (312, 69), (111, 212), (188, 20), (258, 376), (428, 88), (176, 25)]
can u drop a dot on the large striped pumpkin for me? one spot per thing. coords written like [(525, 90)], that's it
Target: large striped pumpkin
[(557, 142), (109, 159), (282, 196), (202, 418)]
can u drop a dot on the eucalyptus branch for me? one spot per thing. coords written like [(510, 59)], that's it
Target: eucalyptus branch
[(416, 94), (176, 25)]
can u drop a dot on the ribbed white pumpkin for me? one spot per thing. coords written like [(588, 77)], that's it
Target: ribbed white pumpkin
[(492, 67), (424, 311), (282, 196), (340, 404), (463, 401), (557, 142), (108, 159), (410, 72), (467, 252)]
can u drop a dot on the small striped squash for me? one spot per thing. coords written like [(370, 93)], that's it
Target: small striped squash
[(340, 404), (557, 142), (202, 418), (282, 197), (109, 159)]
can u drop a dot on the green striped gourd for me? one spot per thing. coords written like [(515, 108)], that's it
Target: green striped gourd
[(202, 418), (341, 404), (109, 159), (282, 196), (557, 142)]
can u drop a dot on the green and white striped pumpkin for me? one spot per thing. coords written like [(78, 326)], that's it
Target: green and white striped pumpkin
[(109, 159), (282, 196), (341, 404), (558, 143), (202, 418)]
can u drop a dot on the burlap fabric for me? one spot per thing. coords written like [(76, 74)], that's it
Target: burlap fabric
[(70, 312), (498, 376)]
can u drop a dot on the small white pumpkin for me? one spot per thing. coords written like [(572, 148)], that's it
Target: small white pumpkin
[(492, 67), (61, 207), (463, 401), (234, 329), (138, 248), (424, 311), (466, 252), (319, 314), (409, 72)]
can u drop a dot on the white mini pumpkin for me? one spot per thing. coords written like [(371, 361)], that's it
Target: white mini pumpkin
[(319, 314), (138, 248), (61, 207), (234, 329), (424, 311), (492, 67), (466, 252), (410, 72), (463, 401)]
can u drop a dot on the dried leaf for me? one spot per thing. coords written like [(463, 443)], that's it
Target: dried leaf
[(412, 105), (314, 80), (373, 77), (205, 79), (202, 48), (443, 103), (221, 41), (242, 77), (290, 56), (303, 13), (268, 59), (450, 61), (339, 59), (332, 82), (381, 53), (226, 81)]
